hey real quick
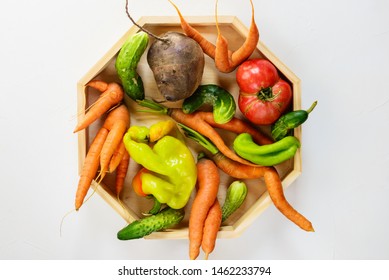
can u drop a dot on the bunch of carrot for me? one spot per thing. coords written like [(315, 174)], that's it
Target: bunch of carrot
[(107, 150)]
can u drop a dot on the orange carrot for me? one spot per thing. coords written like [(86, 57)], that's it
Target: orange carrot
[(276, 193), (98, 84), (202, 123), (117, 157), (237, 126), (211, 228), (117, 123), (225, 60), (90, 167), (207, 47), (242, 171), (112, 96), (238, 170), (248, 47), (208, 180), (273, 185), (121, 172)]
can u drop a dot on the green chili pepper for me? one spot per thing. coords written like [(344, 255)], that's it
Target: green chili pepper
[(289, 121), (266, 155), (172, 167), (222, 101), (167, 218), (127, 62)]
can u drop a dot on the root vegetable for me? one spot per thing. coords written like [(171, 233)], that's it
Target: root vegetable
[(177, 62)]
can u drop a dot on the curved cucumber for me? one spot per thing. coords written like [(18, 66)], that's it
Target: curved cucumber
[(167, 218), (127, 62), (236, 194), (222, 101)]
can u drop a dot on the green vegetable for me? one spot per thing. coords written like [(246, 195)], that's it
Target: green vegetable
[(266, 155), (222, 101), (236, 194), (127, 62), (172, 167), (139, 133), (167, 218), (156, 206), (289, 121)]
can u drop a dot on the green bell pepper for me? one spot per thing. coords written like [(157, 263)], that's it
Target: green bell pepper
[(172, 167), (266, 155)]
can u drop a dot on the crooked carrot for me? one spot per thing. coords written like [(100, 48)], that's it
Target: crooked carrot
[(90, 167), (117, 123), (111, 96)]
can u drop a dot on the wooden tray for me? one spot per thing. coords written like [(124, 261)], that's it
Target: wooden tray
[(130, 206)]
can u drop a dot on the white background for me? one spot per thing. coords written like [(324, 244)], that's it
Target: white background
[(340, 51)]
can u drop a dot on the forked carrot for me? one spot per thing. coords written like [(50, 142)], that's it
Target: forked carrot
[(90, 167), (225, 60), (117, 122), (208, 180), (211, 228), (121, 172), (111, 96), (242, 171)]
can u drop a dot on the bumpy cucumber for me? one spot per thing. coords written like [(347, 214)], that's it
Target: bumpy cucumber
[(127, 62), (167, 218), (222, 101), (236, 194)]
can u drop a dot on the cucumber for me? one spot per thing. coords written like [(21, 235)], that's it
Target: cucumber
[(222, 102), (127, 62), (236, 194), (167, 218)]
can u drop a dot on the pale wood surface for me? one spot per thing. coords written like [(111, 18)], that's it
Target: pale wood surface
[(130, 206)]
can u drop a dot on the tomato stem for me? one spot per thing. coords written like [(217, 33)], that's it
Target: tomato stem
[(266, 94)]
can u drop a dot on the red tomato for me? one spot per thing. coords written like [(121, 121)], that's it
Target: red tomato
[(263, 95)]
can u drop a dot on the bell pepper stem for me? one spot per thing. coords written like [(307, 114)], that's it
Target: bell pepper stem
[(202, 140), (156, 206)]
